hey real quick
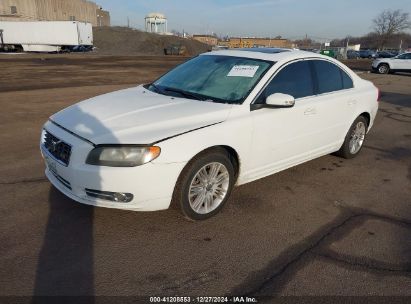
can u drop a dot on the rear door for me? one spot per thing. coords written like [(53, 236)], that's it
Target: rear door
[(407, 61), (335, 104), (402, 62)]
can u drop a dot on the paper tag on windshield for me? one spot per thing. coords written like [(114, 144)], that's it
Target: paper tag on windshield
[(243, 71)]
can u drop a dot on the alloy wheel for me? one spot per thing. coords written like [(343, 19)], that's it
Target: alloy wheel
[(208, 188), (357, 138), (383, 69)]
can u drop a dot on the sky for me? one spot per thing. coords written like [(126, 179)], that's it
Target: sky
[(293, 19)]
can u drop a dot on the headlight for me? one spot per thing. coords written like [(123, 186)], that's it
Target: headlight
[(122, 156)]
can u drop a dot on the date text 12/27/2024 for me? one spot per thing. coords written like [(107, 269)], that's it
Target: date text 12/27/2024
[(239, 299)]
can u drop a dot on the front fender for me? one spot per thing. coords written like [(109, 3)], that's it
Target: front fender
[(235, 133)]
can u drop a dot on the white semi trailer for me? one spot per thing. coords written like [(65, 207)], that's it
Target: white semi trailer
[(44, 36)]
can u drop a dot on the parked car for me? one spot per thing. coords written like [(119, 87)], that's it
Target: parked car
[(394, 52), (368, 54), (400, 63), (351, 54), (385, 54), (219, 120)]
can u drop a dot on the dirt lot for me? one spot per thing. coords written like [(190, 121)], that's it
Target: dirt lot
[(359, 64), (327, 227), (126, 41)]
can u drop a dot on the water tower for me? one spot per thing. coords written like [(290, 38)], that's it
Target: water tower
[(156, 23)]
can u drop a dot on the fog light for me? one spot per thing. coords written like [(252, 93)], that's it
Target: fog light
[(122, 197), (119, 197)]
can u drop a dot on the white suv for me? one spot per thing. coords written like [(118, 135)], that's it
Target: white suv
[(400, 63)]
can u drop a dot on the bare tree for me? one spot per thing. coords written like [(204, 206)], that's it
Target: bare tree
[(389, 23)]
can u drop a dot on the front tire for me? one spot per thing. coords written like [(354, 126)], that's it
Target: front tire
[(354, 139), (205, 185), (383, 68)]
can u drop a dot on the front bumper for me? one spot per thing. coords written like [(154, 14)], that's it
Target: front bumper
[(152, 185)]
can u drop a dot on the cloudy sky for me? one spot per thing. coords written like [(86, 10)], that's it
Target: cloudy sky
[(289, 18)]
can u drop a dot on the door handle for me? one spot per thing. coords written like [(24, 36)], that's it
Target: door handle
[(351, 102), (310, 111)]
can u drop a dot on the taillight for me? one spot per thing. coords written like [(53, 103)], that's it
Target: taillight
[(378, 94)]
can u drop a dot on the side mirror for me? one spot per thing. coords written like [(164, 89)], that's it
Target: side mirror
[(275, 101), (280, 100)]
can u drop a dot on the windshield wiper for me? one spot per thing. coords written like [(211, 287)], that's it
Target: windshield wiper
[(156, 88), (184, 93)]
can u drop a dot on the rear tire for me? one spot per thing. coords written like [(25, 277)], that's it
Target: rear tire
[(354, 139), (205, 185)]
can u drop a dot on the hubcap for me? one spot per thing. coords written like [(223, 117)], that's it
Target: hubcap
[(383, 69), (208, 188), (357, 137)]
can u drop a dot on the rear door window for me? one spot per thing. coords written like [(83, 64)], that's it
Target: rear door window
[(347, 81), (329, 77)]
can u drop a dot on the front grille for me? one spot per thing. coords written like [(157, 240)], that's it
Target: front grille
[(60, 150)]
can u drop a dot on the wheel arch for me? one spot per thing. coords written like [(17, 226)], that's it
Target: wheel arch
[(385, 63), (232, 153), (367, 116), (234, 158)]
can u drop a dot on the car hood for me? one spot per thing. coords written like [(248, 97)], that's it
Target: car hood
[(138, 116)]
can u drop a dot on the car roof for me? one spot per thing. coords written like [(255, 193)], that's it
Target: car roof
[(269, 54), (266, 50)]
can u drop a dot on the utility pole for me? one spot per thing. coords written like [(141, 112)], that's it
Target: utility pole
[(400, 46), (346, 48), (1, 38), (128, 22)]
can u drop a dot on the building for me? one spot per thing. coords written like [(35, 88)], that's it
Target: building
[(53, 10), (355, 47), (156, 23), (208, 39), (103, 17), (248, 42)]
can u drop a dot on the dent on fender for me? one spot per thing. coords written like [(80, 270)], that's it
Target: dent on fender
[(179, 134)]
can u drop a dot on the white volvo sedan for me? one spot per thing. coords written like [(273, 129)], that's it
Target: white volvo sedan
[(218, 120)]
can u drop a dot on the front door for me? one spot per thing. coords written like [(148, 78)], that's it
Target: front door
[(282, 137)]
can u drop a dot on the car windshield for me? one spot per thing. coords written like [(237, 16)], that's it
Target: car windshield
[(225, 79)]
